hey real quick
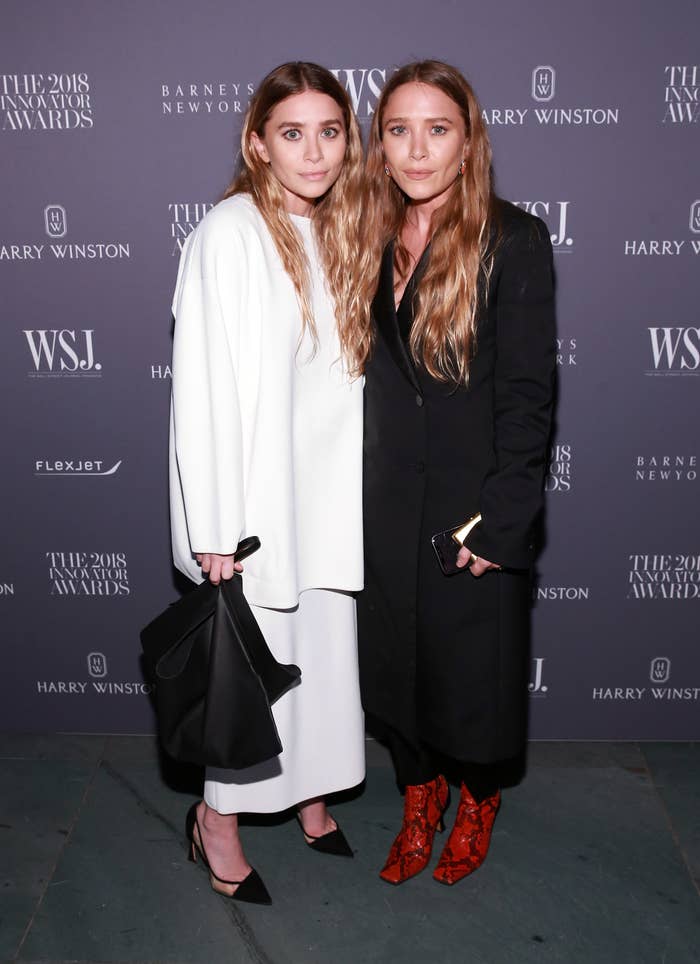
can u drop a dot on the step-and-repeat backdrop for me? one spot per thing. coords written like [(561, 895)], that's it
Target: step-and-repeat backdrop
[(119, 128)]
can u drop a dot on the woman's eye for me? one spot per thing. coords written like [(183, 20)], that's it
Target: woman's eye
[(292, 135), (397, 129), (330, 132), (439, 129)]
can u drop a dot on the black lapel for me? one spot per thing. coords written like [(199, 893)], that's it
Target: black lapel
[(384, 312)]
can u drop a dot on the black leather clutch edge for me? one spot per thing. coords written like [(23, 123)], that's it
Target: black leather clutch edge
[(215, 677), (448, 543)]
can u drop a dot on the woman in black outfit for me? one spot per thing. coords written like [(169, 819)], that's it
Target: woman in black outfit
[(459, 363)]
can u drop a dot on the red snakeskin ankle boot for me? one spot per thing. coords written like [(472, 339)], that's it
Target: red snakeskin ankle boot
[(423, 808), (468, 843)]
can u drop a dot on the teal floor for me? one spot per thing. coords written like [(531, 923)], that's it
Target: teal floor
[(595, 858)]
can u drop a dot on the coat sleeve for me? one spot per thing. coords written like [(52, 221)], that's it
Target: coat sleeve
[(206, 458), (512, 492)]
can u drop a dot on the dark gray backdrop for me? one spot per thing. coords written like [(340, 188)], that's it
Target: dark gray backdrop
[(119, 125)]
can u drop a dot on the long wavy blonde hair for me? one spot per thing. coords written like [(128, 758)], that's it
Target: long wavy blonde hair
[(463, 233), (335, 217)]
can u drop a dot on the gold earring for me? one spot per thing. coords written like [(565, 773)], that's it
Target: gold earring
[(387, 171), (460, 169)]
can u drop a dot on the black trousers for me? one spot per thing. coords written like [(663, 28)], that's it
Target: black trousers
[(416, 764)]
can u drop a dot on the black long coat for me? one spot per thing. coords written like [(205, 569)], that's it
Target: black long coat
[(443, 659)]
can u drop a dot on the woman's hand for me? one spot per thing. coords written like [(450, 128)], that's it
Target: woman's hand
[(477, 565), (218, 567)]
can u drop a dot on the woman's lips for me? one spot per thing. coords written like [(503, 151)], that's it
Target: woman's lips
[(418, 175), (315, 175)]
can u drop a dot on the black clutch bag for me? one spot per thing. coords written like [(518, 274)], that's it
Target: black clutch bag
[(215, 677), (448, 543)]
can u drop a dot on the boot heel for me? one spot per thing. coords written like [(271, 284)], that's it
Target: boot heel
[(192, 854)]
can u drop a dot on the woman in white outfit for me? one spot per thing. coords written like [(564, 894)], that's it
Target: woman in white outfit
[(266, 440)]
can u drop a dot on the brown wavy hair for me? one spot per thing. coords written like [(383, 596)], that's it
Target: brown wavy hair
[(335, 217), (443, 335)]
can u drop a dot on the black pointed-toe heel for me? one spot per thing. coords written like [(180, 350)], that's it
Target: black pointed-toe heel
[(333, 842), (251, 889)]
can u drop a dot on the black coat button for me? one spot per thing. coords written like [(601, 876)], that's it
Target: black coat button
[(419, 401), (420, 467)]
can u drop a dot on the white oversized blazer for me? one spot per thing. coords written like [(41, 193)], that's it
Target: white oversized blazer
[(265, 437)]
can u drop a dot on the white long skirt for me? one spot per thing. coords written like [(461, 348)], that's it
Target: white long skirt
[(320, 721)]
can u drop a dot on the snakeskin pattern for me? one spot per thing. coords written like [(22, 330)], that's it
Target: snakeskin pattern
[(468, 843), (423, 808)]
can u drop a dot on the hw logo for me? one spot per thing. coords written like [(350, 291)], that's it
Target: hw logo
[(55, 221), (543, 79), (695, 216), (660, 669), (97, 665), (536, 687), (62, 352), (676, 350)]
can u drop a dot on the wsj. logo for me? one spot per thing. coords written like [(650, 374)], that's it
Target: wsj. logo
[(97, 665), (536, 687), (660, 669), (55, 221), (552, 212), (364, 85), (675, 351), (543, 79), (695, 217), (61, 352)]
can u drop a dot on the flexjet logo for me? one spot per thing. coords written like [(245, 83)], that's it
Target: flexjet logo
[(543, 79), (364, 86), (73, 468), (62, 353), (674, 351), (55, 221)]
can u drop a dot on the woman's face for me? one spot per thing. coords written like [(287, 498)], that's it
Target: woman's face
[(424, 141), (304, 143)]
